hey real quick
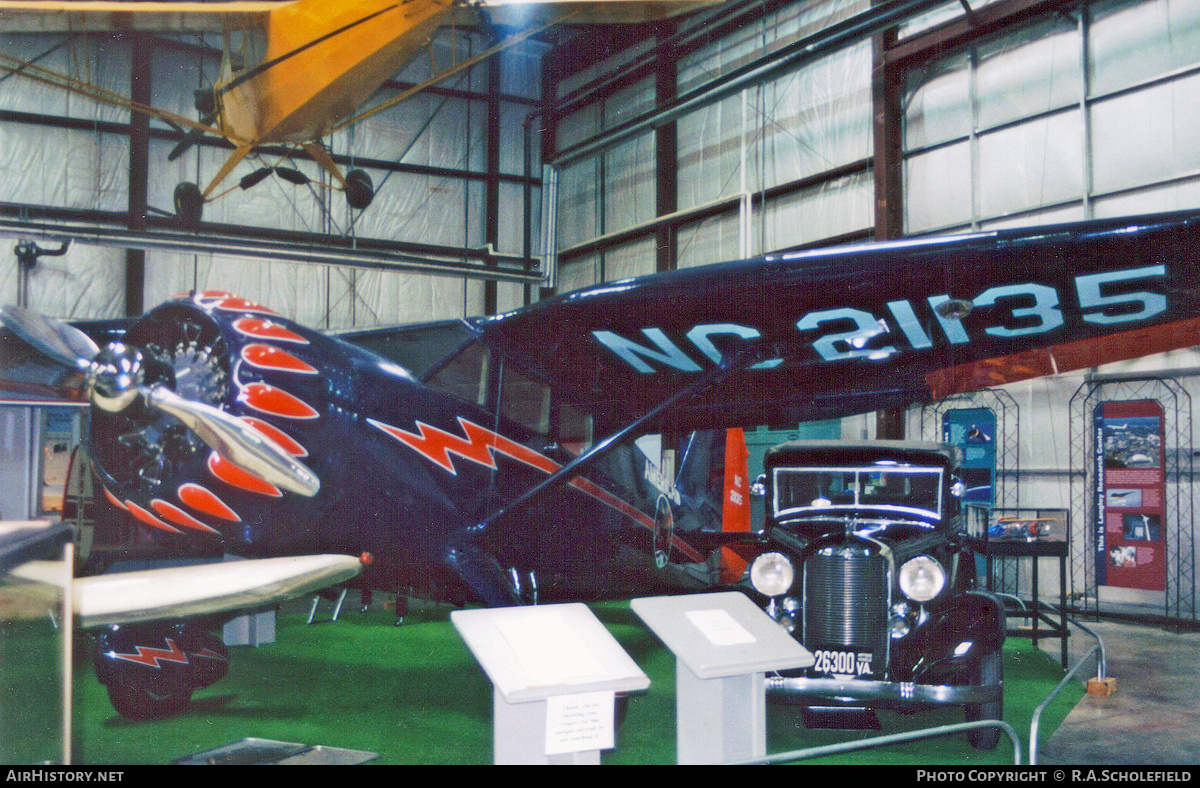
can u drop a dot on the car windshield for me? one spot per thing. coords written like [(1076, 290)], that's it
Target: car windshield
[(894, 488)]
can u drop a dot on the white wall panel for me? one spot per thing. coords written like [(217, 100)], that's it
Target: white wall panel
[(835, 208), (1132, 41), (937, 188), (521, 69), (629, 184), (630, 260), (177, 74), (424, 209), (1070, 213), (509, 296), (426, 129), (1036, 163), (1146, 136), (101, 60), (710, 152), (448, 47), (713, 240), (578, 218), (512, 130), (815, 119), (938, 103), (1032, 72), (512, 219), (1156, 199), (582, 271)]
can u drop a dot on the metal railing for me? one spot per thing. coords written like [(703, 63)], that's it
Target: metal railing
[(948, 730), (1101, 669), (893, 738)]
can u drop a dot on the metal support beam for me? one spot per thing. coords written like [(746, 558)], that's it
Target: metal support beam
[(491, 200), (443, 261), (666, 158), (805, 50), (139, 168)]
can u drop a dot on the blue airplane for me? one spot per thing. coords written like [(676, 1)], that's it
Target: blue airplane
[(492, 460)]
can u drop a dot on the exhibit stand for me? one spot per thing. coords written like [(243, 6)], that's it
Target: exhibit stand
[(723, 644), (555, 672)]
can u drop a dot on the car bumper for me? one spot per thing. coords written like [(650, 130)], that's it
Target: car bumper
[(880, 694)]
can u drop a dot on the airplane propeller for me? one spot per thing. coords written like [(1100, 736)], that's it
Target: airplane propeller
[(115, 378)]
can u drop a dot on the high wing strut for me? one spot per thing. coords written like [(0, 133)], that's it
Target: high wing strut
[(730, 364)]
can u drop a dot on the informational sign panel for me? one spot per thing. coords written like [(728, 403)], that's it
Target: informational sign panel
[(973, 430), (1130, 495)]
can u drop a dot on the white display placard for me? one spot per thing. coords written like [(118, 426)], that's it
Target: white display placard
[(580, 723), (546, 648), (719, 627)]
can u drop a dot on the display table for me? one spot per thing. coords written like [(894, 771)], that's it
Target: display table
[(723, 645), (982, 521), (555, 670)]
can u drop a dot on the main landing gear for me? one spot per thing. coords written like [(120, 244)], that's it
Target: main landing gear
[(189, 200)]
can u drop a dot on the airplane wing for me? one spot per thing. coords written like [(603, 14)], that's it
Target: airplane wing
[(59, 16), (819, 334), (62, 16), (191, 591)]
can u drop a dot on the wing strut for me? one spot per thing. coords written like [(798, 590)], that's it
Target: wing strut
[(730, 365)]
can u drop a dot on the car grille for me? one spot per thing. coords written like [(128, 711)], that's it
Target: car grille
[(846, 602)]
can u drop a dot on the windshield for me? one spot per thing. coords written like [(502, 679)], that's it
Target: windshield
[(899, 489)]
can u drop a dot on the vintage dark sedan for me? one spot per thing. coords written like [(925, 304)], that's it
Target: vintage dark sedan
[(868, 566)]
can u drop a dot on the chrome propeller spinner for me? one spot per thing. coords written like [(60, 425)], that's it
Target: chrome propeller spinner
[(115, 378)]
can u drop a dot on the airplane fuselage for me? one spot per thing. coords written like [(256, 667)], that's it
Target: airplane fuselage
[(410, 474)]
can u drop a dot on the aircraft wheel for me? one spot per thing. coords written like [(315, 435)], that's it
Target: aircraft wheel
[(359, 189), (142, 703), (189, 203), (989, 673)]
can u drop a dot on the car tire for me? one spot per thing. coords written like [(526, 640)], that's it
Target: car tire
[(359, 189), (142, 703), (189, 204), (988, 672)]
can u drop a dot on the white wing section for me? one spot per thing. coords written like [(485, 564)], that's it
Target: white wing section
[(205, 589)]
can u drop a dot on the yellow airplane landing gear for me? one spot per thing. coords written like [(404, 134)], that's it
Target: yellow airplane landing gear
[(189, 204), (359, 189)]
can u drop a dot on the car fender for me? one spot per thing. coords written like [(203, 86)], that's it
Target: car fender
[(955, 637)]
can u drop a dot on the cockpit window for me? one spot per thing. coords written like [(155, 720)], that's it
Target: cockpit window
[(896, 488), (416, 348), (574, 429), (466, 375), (525, 401)]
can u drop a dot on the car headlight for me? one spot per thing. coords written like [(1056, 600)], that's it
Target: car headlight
[(772, 574), (922, 578)]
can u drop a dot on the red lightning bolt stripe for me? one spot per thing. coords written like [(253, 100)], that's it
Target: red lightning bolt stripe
[(481, 446), (154, 657)]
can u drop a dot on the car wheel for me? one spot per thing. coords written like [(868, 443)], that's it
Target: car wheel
[(142, 703), (989, 672)]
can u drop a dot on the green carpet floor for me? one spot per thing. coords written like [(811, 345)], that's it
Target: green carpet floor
[(415, 695)]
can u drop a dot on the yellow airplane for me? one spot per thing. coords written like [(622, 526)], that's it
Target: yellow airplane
[(312, 63)]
